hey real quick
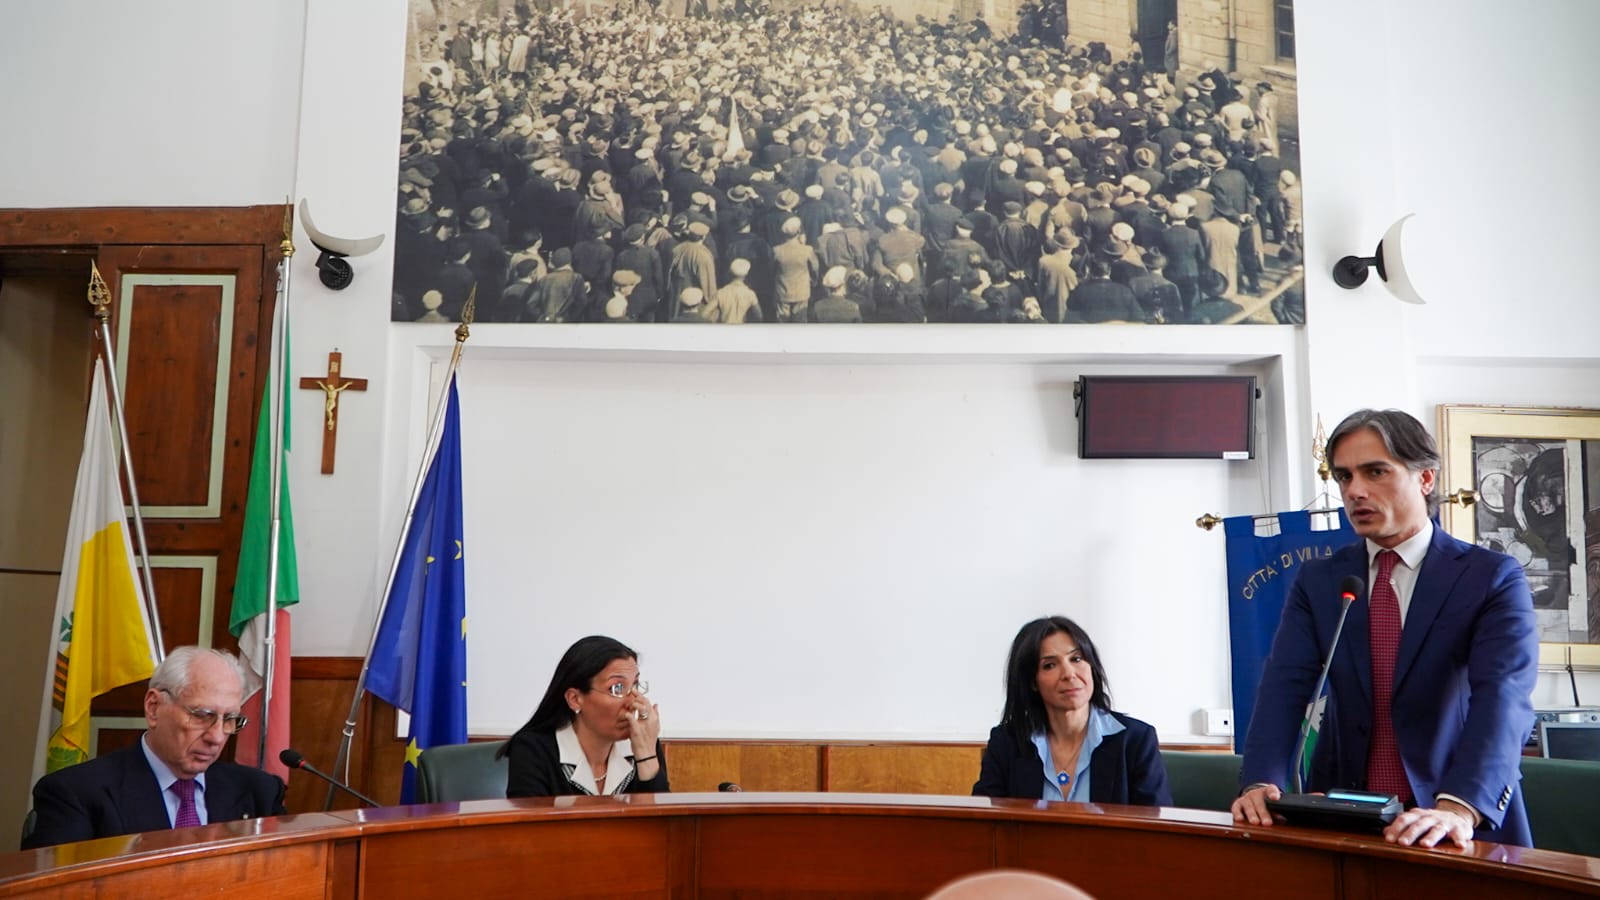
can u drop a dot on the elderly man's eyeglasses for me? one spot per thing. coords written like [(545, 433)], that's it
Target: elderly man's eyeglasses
[(618, 689), (207, 718)]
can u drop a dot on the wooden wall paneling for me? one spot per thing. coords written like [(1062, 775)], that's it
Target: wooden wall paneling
[(903, 768), (702, 765), (386, 753), (319, 700)]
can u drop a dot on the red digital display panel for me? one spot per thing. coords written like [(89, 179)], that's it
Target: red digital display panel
[(1171, 417)]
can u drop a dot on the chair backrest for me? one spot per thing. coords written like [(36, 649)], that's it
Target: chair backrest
[(1560, 796), (462, 772), (29, 823), (1201, 779)]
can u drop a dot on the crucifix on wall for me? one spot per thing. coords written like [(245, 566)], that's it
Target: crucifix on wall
[(332, 385)]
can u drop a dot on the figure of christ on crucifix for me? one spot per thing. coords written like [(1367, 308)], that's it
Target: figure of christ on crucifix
[(332, 386)]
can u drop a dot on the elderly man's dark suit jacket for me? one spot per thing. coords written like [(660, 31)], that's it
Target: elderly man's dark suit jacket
[(118, 794)]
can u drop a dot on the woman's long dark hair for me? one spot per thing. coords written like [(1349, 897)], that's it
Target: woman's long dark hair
[(1024, 714), (577, 669)]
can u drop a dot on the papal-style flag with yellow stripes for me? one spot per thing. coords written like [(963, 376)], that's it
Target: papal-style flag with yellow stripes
[(102, 630), (419, 656)]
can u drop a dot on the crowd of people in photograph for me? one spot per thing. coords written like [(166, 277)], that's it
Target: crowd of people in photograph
[(826, 164)]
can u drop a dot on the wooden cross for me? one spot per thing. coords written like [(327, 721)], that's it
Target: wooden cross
[(331, 387)]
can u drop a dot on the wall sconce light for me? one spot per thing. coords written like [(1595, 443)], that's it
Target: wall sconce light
[(1351, 271), (333, 271)]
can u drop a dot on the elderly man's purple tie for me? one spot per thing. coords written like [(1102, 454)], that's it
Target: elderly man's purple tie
[(188, 816)]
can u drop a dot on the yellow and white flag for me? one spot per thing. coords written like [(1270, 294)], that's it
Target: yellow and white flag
[(102, 630)]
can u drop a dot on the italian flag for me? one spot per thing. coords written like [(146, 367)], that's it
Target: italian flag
[(248, 620)]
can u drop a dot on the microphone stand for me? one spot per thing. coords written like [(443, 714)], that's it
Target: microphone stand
[(1349, 600)]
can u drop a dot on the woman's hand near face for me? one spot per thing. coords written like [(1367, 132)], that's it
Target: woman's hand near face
[(644, 728)]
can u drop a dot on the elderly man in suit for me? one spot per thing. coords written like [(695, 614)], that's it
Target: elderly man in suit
[(172, 777), (1429, 691)]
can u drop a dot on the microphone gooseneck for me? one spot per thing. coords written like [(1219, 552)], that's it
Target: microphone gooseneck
[(1350, 590), (294, 759)]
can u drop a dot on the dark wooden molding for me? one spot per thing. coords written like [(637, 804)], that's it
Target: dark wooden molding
[(91, 227)]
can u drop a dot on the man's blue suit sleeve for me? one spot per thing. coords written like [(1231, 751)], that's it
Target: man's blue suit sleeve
[(1502, 670)]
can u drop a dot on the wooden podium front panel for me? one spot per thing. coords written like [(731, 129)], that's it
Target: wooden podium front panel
[(1117, 862), (1407, 879), (595, 858), (838, 855), (290, 872)]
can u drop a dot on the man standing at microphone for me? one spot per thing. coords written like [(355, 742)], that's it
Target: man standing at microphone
[(1430, 686)]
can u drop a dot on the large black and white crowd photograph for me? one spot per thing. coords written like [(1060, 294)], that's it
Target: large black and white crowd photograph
[(770, 161)]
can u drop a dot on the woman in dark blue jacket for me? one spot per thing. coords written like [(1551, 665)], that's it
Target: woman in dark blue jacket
[(1058, 738)]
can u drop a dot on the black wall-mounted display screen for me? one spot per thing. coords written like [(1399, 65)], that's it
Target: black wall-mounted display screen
[(1167, 417)]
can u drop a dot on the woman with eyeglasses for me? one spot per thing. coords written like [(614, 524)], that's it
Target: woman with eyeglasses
[(1058, 738), (594, 732)]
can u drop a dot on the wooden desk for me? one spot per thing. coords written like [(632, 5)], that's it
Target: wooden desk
[(773, 845)]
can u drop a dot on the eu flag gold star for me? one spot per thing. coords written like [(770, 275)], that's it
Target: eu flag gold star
[(413, 753)]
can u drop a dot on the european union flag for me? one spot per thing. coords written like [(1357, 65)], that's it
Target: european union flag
[(419, 659)]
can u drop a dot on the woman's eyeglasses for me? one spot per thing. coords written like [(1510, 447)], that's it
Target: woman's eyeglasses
[(618, 689)]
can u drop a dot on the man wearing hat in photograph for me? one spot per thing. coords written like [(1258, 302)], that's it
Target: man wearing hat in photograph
[(1186, 255), (939, 220), (814, 212), (796, 271), (835, 307), (1057, 278), (623, 284), (1017, 242), (691, 265), (647, 266), (691, 307), (561, 295), (736, 303), (899, 245)]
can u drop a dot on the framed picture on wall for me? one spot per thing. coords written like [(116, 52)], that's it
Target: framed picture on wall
[(775, 161), (1536, 473)]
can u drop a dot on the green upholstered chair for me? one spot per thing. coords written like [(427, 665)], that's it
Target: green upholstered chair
[(1202, 779), (1561, 797), (462, 772)]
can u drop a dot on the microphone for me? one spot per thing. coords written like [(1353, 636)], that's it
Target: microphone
[(1350, 810), (1349, 591), (294, 760)]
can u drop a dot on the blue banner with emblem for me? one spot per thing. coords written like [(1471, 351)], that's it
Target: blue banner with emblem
[(1263, 562), (419, 658)]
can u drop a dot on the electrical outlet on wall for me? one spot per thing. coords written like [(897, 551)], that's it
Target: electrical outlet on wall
[(1219, 722)]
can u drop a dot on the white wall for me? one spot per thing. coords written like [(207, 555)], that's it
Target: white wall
[(1471, 118)]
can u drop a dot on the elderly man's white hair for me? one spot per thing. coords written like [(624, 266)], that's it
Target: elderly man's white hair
[(173, 674)]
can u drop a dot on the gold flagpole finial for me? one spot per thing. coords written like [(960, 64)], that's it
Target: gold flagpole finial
[(1319, 451), (99, 294), (467, 312), (286, 246)]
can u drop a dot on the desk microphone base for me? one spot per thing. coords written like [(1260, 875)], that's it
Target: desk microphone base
[(1338, 810)]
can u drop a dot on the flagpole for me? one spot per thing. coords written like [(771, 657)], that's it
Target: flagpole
[(100, 299), (341, 764), (275, 404)]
